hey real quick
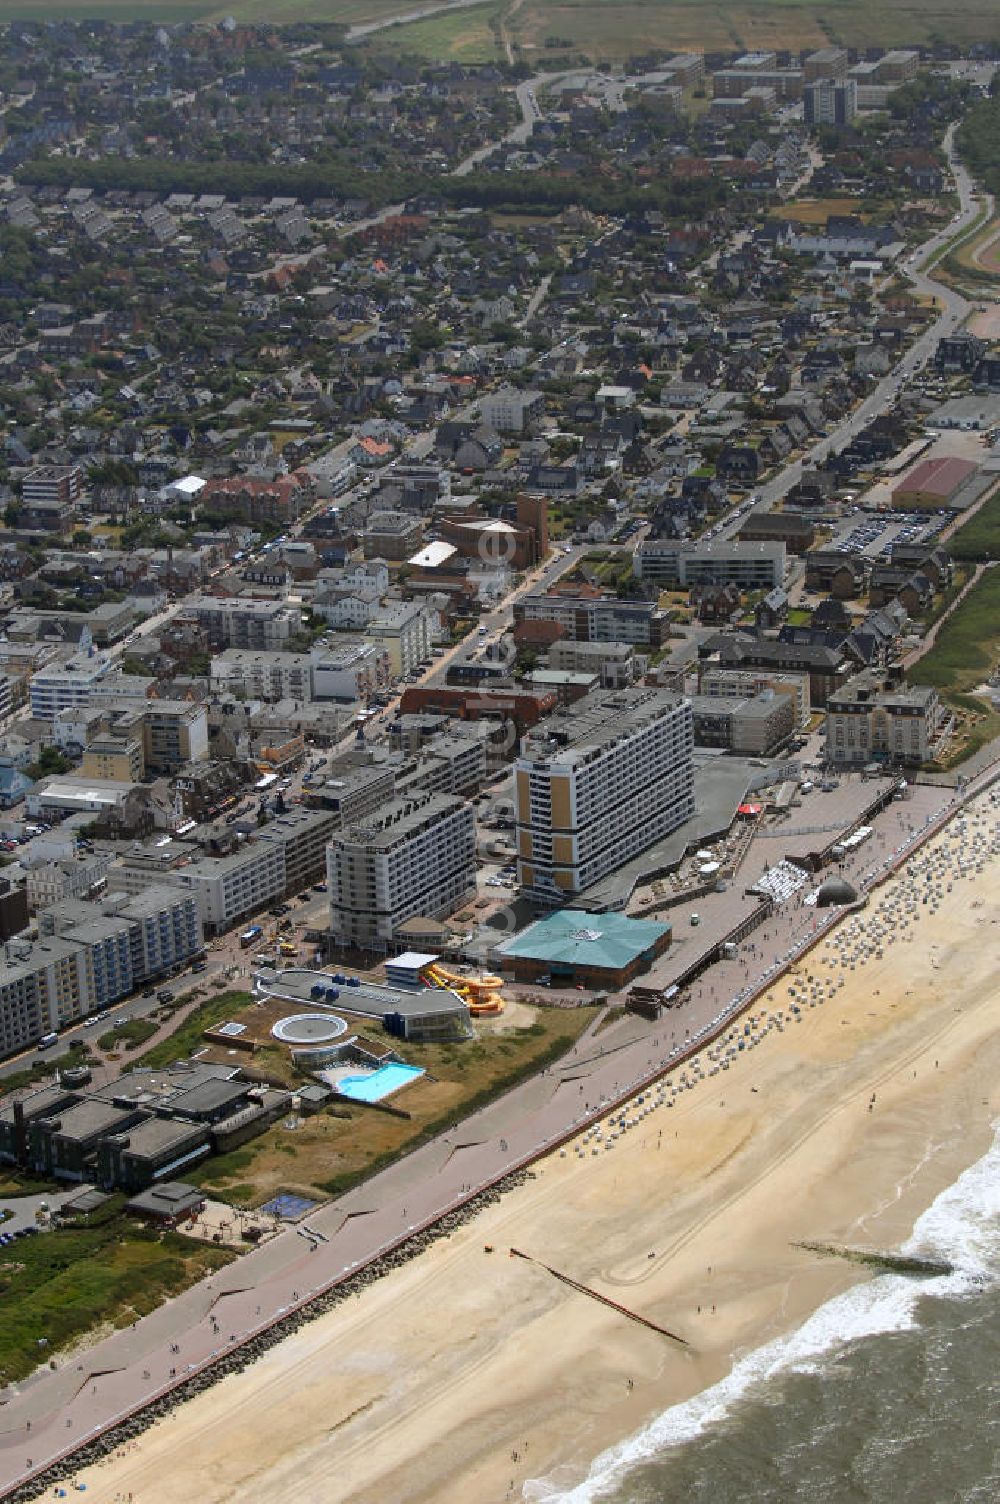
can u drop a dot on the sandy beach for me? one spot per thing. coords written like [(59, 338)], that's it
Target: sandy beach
[(426, 1385)]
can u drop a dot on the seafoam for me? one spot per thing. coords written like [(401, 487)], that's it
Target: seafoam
[(962, 1226)]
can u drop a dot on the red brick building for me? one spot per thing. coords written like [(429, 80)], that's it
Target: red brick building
[(279, 501)]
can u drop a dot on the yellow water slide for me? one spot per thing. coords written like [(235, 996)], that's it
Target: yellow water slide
[(481, 995)]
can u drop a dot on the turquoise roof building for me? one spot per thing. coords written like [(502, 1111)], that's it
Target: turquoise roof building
[(593, 950)]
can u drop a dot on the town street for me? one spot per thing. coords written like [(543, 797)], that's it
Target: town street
[(56, 1410)]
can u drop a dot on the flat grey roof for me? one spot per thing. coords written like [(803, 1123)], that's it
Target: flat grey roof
[(91, 1118), (40, 1104), (171, 1199), (157, 1134), (755, 706), (600, 718), (398, 817), (602, 650), (243, 656), (561, 676), (144, 1085), (48, 949), (356, 778), (371, 999), (209, 1096), (151, 901)]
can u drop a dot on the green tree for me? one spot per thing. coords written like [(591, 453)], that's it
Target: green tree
[(50, 761)]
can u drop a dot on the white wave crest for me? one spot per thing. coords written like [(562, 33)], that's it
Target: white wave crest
[(962, 1226)]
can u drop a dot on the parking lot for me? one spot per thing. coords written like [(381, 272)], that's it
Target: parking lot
[(873, 534)]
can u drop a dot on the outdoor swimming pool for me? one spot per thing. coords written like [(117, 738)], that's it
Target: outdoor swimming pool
[(379, 1084)]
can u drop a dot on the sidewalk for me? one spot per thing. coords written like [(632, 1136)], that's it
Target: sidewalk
[(122, 1374)]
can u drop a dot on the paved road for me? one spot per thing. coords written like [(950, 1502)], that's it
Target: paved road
[(89, 1393), (369, 28), (85, 1396), (954, 309), (222, 954), (527, 99)]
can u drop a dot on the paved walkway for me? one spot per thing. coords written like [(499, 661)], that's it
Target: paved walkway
[(55, 1411), (918, 652)]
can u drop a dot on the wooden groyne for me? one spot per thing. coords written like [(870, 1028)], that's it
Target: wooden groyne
[(884, 1262), (605, 1300)]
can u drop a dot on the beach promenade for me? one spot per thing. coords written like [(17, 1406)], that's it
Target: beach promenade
[(56, 1411)]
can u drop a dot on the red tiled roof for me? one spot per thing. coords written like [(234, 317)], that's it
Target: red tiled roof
[(938, 477)]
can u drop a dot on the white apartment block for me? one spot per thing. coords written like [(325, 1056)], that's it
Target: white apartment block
[(597, 784), (42, 986), (284, 857), (60, 686), (89, 956), (747, 682), (414, 858), (163, 924), (866, 722), (404, 631), (118, 691), (364, 573), (598, 619), (302, 835), (751, 566), (72, 728), (350, 669), (510, 410), (165, 929), (238, 623), (262, 676), (230, 888), (347, 609)]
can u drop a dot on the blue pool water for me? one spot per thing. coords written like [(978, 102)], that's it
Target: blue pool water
[(379, 1084)]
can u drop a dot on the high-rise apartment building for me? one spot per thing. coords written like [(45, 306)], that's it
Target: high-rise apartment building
[(403, 629), (598, 783), (830, 101), (415, 857), (52, 483), (284, 857)]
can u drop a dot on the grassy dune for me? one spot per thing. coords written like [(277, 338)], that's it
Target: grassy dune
[(603, 29)]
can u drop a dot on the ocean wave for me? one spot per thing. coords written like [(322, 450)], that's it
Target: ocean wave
[(963, 1223), (962, 1226)]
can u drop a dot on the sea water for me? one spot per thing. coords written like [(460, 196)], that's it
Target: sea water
[(889, 1392)]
